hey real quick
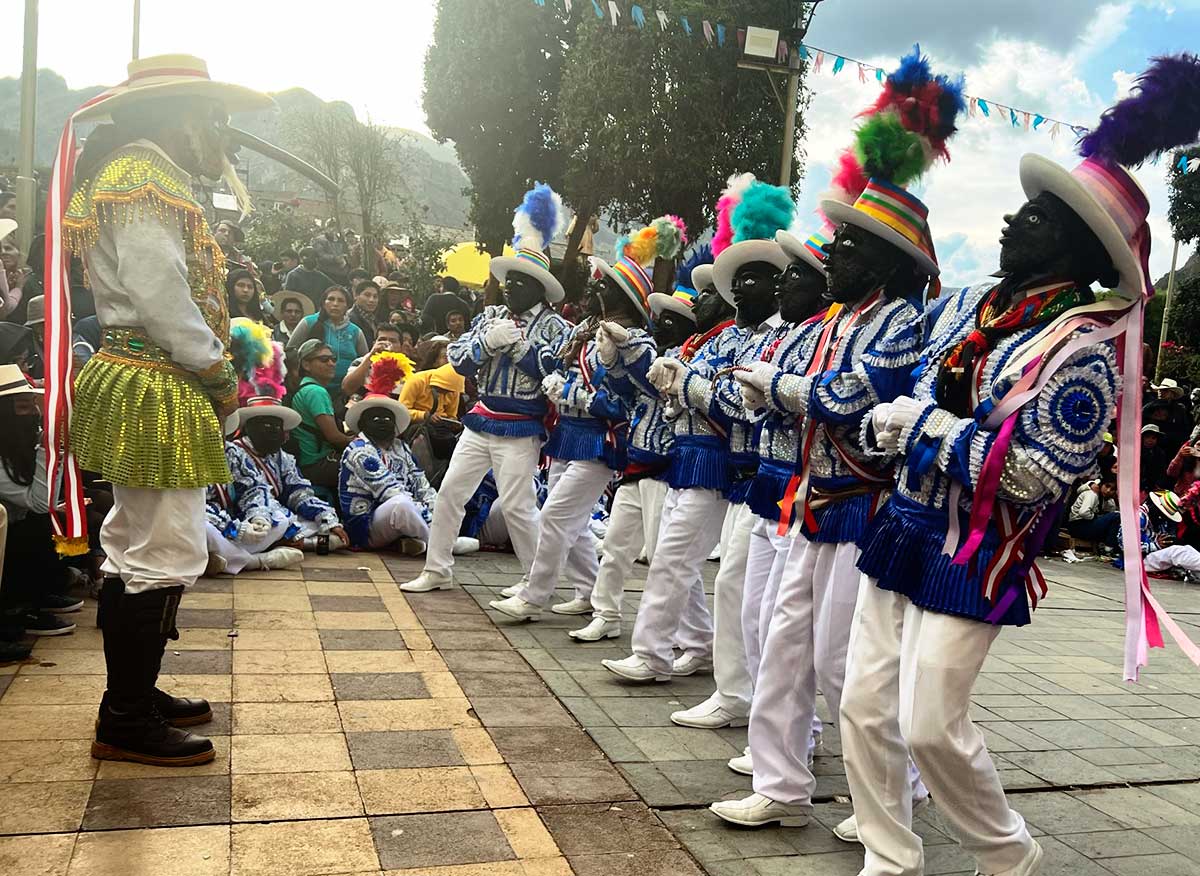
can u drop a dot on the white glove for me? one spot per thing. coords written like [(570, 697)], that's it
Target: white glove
[(666, 375), (258, 526), (752, 399), (618, 333), (606, 347), (553, 385), (879, 417), (502, 335), (759, 375), (902, 414)]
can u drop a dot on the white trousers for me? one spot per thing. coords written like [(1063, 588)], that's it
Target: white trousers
[(566, 547), (398, 517), (514, 463), (673, 611), (730, 669), (633, 524), (242, 553), (1177, 556), (155, 538), (807, 636), (909, 676), (766, 557)]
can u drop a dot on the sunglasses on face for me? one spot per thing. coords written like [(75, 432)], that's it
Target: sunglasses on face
[(326, 358)]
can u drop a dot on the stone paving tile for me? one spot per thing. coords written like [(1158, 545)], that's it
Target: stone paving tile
[(379, 686), (548, 782), (157, 802), (361, 640), (404, 748), (411, 841)]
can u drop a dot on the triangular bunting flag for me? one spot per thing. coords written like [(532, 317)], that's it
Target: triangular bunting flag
[(838, 65), (638, 17), (662, 19)]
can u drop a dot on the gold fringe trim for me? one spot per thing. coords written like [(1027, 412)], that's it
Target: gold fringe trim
[(71, 547)]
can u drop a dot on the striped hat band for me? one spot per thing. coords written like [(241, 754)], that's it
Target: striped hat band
[(634, 280), (814, 245), (686, 294), (536, 256), (1124, 201), (262, 401), (899, 210)]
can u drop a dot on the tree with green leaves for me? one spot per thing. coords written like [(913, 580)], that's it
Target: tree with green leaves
[(492, 79), (1184, 190)]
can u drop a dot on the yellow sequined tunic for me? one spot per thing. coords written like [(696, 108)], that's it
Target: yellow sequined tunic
[(144, 414)]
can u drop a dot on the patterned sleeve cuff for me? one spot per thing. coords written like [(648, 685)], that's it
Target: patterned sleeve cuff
[(932, 422), (697, 391), (220, 382), (790, 392), (866, 439)]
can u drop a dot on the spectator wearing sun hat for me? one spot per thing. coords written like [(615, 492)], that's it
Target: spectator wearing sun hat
[(1170, 412)]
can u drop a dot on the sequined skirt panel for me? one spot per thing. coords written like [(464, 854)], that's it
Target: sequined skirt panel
[(144, 424)]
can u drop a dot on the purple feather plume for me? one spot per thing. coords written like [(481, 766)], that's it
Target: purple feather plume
[(1161, 113)]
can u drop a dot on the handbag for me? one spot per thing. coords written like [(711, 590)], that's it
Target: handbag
[(432, 443)]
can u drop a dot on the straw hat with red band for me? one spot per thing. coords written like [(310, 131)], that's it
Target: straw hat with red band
[(166, 76), (261, 406), (893, 214)]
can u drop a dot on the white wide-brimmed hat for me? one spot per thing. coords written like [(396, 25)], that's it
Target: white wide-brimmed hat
[(166, 76), (261, 406), (534, 263), (676, 303), (378, 400), (7, 227), (278, 299), (807, 251), (702, 277), (630, 277), (893, 214), (1168, 503), (1169, 384), (14, 382), (736, 255)]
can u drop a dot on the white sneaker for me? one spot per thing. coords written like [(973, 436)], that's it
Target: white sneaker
[(574, 606), (280, 558), (598, 629), (847, 830), (708, 716), (465, 545), (633, 668), (514, 589), (689, 664), (517, 607), (743, 764), (757, 810), (426, 582), (1028, 867)]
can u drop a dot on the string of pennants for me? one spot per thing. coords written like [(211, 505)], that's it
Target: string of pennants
[(716, 34), (1187, 165)]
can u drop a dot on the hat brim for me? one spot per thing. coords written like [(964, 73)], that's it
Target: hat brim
[(356, 410), (702, 277), (501, 265), (739, 254), (239, 418), (283, 295), (1173, 516), (1040, 174), (7, 227), (797, 251), (607, 269), (234, 98), (660, 302), (839, 213)]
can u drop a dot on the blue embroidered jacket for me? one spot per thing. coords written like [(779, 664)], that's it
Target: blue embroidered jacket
[(1055, 441), (370, 476), (651, 437), (510, 382), (700, 458), (268, 487)]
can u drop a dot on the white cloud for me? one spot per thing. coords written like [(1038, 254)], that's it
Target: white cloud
[(1123, 82)]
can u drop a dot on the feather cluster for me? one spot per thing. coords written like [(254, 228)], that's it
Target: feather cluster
[(1161, 113), (268, 379), (763, 210), (735, 187), (387, 371), (905, 131), (539, 219), (663, 238), (249, 346), (702, 255)]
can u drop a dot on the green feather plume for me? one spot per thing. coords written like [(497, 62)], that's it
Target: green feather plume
[(887, 150)]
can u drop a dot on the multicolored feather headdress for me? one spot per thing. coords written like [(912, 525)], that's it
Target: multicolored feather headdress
[(685, 288), (540, 218), (257, 359), (735, 188)]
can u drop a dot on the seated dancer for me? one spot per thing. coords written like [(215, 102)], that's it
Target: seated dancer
[(1159, 521), (633, 522), (1009, 404), (503, 353), (879, 261), (746, 280), (384, 496), (601, 365)]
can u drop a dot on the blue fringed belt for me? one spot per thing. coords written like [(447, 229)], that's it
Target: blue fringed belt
[(584, 438), (699, 462), (744, 466), (843, 521), (903, 549), (768, 488)]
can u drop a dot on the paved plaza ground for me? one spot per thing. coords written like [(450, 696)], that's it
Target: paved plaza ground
[(362, 731)]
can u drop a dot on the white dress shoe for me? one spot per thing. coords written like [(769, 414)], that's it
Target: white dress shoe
[(757, 810), (574, 606), (426, 582), (465, 545), (708, 716), (517, 607), (690, 665), (1031, 864), (280, 558), (514, 589), (411, 547), (847, 830), (743, 764), (598, 629), (633, 668)]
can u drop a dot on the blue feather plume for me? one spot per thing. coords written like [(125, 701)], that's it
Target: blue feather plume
[(538, 219), (701, 255), (913, 72)]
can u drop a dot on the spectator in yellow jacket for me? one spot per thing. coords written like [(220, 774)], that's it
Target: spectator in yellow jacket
[(435, 390)]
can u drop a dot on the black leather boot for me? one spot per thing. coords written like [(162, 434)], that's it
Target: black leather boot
[(130, 726), (177, 711)]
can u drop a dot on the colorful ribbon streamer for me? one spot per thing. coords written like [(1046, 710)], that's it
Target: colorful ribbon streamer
[(638, 17), (838, 65)]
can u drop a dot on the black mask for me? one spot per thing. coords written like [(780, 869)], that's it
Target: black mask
[(266, 434), (710, 309), (522, 292), (799, 291), (754, 293), (672, 329), (606, 300), (860, 262), (1047, 238), (378, 424)]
